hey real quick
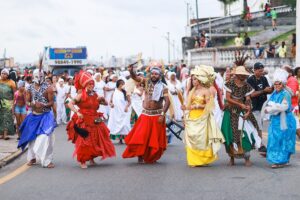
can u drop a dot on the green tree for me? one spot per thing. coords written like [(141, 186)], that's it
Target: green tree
[(226, 4), (291, 3)]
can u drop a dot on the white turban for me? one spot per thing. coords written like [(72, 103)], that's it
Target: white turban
[(90, 71), (126, 73), (97, 74), (5, 71), (61, 80), (170, 74), (280, 75), (113, 76)]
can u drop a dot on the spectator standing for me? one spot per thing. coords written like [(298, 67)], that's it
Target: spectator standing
[(203, 42), (262, 88), (282, 51), (238, 40), (274, 19), (271, 51), (247, 40), (258, 51), (276, 49), (293, 52)]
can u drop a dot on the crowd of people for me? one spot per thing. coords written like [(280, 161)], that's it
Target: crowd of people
[(99, 106)]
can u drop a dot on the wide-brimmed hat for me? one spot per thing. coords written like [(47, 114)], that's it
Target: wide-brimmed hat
[(241, 70)]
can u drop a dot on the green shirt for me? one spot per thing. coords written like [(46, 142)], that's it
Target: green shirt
[(274, 14)]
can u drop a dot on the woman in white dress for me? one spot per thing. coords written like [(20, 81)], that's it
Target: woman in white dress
[(109, 89), (175, 88), (119, 119), (99, 89)]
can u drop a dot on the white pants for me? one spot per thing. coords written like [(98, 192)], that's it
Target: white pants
[(41, 149), (257, 115), (61, 116)]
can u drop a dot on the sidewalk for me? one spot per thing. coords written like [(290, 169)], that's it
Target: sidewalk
[(8, 150)]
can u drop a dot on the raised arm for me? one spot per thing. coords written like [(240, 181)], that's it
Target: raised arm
[(134, 76)]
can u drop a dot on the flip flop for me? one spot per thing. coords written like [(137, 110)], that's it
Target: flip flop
[(277, 166)]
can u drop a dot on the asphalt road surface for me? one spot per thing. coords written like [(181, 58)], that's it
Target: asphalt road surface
[(169, 179)]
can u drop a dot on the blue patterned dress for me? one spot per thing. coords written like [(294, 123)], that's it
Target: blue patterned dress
[(281, 143)]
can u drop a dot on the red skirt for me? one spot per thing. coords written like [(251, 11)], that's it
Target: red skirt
[(147, 139), (97, 143)]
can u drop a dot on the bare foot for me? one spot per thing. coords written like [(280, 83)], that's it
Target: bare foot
[(231, 162), (83, 166), (50, 166), (92, 162), (248, 163), (31, 162)]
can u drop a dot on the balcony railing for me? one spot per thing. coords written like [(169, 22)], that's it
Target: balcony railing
[(225, 57)]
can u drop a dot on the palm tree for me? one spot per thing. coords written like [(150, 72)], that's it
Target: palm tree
[(226, 3)]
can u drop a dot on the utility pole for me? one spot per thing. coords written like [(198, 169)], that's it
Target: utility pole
[(197, 15), (168, 38), (174, 57), (187, 13)]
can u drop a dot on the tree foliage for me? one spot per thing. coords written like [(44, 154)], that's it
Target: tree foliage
[(291, 3)]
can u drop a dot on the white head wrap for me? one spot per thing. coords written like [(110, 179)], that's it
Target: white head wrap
[(170, 74), (97, 74), (90, 71), (280, 75), (61, 80), (126, 73), (5, 70), (113, 76)]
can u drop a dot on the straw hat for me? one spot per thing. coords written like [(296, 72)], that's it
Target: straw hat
[(240, 70)]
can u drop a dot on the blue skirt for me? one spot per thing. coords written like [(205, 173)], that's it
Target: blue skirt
[(35, 125), (281, 143)]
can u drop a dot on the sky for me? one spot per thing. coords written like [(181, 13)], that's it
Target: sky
[(106, 27)]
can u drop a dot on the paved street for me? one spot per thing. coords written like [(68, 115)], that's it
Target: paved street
[(169, 179)]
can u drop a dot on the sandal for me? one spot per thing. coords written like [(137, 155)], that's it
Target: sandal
[(277, 166)]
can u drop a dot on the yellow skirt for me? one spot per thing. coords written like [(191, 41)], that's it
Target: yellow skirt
[(199, 157)]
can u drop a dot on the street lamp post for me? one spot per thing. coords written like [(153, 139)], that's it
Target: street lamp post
[(197, 16), (168, 38)]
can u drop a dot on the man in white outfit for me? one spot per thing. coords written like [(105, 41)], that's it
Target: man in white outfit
[(61, 96)]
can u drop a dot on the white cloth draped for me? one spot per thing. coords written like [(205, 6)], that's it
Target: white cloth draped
[(41, 149), (111, 85), (137, 101), (119, 120), (178, 113)]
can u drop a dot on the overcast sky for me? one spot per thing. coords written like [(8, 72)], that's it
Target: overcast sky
[(106, 27)]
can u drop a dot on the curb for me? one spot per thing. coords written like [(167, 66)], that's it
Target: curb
[(8, 159)]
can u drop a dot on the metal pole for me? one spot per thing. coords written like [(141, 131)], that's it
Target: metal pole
[(174, 57), (197, 15), (210, 29), (168, 38), (188, 14)]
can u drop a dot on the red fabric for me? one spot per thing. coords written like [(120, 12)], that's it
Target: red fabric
[(98, 142), (293, 84), (146, 139), (81, 80)]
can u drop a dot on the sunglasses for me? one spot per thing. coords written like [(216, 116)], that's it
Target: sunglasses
[(277, 84)]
